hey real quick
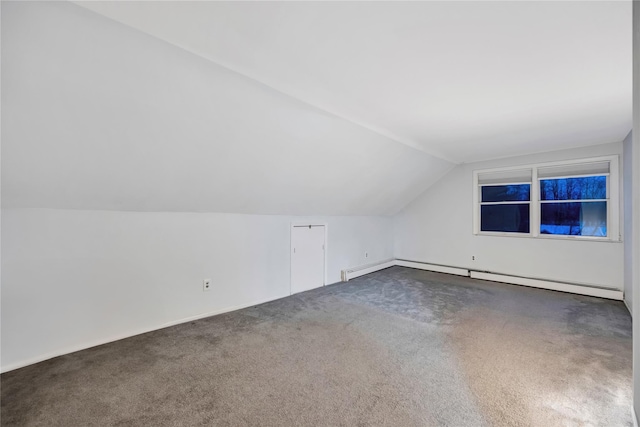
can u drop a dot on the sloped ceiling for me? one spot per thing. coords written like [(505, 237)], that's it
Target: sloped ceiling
[(466, 81), (295, 108), (97, 115)]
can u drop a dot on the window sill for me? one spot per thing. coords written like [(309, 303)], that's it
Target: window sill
[(549, 237)]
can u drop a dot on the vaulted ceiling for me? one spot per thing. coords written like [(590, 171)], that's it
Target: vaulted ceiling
[(295, 108), (465, 81)]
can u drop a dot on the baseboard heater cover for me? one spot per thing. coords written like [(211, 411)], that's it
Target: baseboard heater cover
[(433, 267), (354, 272), (573, 288), (551, 285)]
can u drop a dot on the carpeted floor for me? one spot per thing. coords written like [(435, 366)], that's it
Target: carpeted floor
[(400, 347)]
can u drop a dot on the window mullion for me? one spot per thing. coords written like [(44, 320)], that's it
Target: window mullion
[(613, 206), (534, 214), (476, 205), (573, 201)]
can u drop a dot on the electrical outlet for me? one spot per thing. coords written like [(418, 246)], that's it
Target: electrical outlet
[(206, 285), (473, 257), (366, 254)]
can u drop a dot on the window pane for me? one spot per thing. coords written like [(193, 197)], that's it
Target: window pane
[(507, 218), (574, 219), (506, 193), (592, 187)]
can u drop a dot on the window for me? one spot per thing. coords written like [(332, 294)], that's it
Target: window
[(574, 206), (505, 201), (572, 199)]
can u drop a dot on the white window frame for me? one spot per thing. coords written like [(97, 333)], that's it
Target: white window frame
[(613, 200)]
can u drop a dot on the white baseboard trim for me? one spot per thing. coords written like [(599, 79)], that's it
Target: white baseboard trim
[(354, 272), (635, 417), (346, 276), (433, 267), (546, 284), (627, 305), (573, 288), (73, 349)]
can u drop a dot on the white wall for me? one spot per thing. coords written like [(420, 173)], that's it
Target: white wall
[(72, 279), (438, 228), (627, 189), (110, 136), (104, 127), (100, 117), (636, 207)]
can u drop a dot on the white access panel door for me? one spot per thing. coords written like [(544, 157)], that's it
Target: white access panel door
[(307, 258)]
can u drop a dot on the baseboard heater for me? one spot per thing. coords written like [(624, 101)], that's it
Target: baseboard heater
[(438, 268), (354, 272), (574, 288)]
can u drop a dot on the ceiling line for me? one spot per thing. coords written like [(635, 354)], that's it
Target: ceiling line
[(375, 129), (247, 75)]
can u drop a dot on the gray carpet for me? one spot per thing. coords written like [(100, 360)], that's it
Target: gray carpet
[(400, 347)]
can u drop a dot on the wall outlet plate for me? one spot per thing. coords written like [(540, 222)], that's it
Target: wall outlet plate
[(206, 285)]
